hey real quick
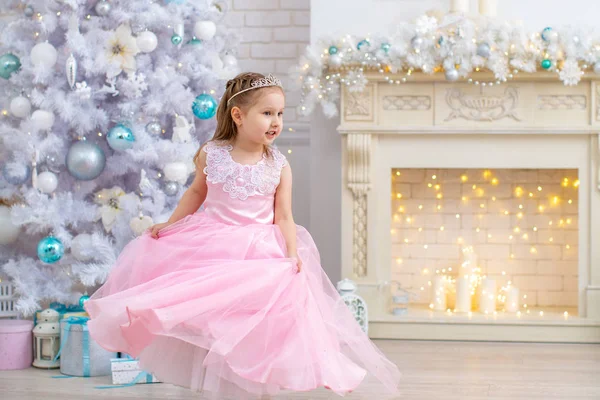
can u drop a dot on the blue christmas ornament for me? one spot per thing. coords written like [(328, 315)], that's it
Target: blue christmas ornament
[(120, 137), (194, 41), (9, 63), (176, 39), (205, 106), (546, 33), (16, 173), (83, 299), (363, 43), (85, 160), (386, 47), (50, 250), (333, 50)]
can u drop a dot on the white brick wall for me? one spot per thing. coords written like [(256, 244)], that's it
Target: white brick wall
[(520, 236), (274, 33)]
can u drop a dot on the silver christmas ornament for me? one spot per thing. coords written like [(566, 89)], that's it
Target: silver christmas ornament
[(28, 11), (85, 160), (597, 68), (102, 8), (416, 42), (71, 70), (54, 163), (171, 188), (452, 75), (484, 50), (154, 128)]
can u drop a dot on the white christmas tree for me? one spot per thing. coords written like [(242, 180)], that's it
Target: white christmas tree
[(104, 103)]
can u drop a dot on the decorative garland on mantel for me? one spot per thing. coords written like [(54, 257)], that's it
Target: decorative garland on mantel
[(454, 45)]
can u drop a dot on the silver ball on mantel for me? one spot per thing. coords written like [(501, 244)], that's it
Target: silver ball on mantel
[(484, 50), (451, 75), (416, 42), (154, 128), (597, 68), (28, 11), (102, 8), (171, 188)]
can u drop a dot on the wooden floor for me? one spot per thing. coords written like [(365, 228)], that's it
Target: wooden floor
[(431, 370)]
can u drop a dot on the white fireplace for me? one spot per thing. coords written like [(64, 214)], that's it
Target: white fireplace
[(510, 171)]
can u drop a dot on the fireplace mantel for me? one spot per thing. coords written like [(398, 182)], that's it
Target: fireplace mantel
[(532, 121)]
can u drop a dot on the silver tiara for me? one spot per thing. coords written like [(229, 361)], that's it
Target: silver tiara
[(267, 81)]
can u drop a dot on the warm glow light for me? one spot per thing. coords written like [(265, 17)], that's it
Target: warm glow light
[(398, 195), (539, 188), (464, 178), (495, 181), (433, 177), (397, 173), (576, 183), (519, 191), (487, 173), (439, 196)]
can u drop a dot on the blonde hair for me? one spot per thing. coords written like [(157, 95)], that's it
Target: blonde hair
[(226, 128)]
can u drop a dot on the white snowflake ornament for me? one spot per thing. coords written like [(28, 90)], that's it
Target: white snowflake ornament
[(570, 73)]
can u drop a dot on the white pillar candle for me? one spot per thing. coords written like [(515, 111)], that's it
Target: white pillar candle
[(438, 293), (511, 304), (459, 6), (463, 295), (487, 298), (468, 266), (488, 8)]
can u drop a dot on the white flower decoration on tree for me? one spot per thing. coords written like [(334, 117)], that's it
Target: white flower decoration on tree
[(570, 73), (110, 201), (121, 50)]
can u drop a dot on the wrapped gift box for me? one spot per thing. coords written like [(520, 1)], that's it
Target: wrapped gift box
[(16, 351), (79, 354), (126, 371)]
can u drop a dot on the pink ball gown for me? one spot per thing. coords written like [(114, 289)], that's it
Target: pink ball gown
[(216, 305)]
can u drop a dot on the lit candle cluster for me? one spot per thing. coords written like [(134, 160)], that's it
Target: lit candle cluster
[(466, 289)]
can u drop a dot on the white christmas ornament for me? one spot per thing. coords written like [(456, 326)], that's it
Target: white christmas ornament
[(147, 41), (47, 182), (81, 246), (181, 130), (43, 54), (205, 30), (42, 119), (9, 232), (20, 106), (139, 224), (176, 172), (229, 61)]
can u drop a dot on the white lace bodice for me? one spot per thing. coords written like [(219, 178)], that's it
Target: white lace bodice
[(239, 193), (240, 180)]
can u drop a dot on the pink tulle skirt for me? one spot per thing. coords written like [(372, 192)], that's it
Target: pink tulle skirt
[(219, 309)]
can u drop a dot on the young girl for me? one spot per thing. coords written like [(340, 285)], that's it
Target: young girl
[(232, 300)]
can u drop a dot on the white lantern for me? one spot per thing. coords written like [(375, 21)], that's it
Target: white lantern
[(46, 340), (357, 305)]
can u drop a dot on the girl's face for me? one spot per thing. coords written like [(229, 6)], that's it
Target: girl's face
[(263, 122)]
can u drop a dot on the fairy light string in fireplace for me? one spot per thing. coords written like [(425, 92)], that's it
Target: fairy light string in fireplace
[(518, 233)]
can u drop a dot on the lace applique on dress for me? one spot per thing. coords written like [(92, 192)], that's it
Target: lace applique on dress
[(239, 180)]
